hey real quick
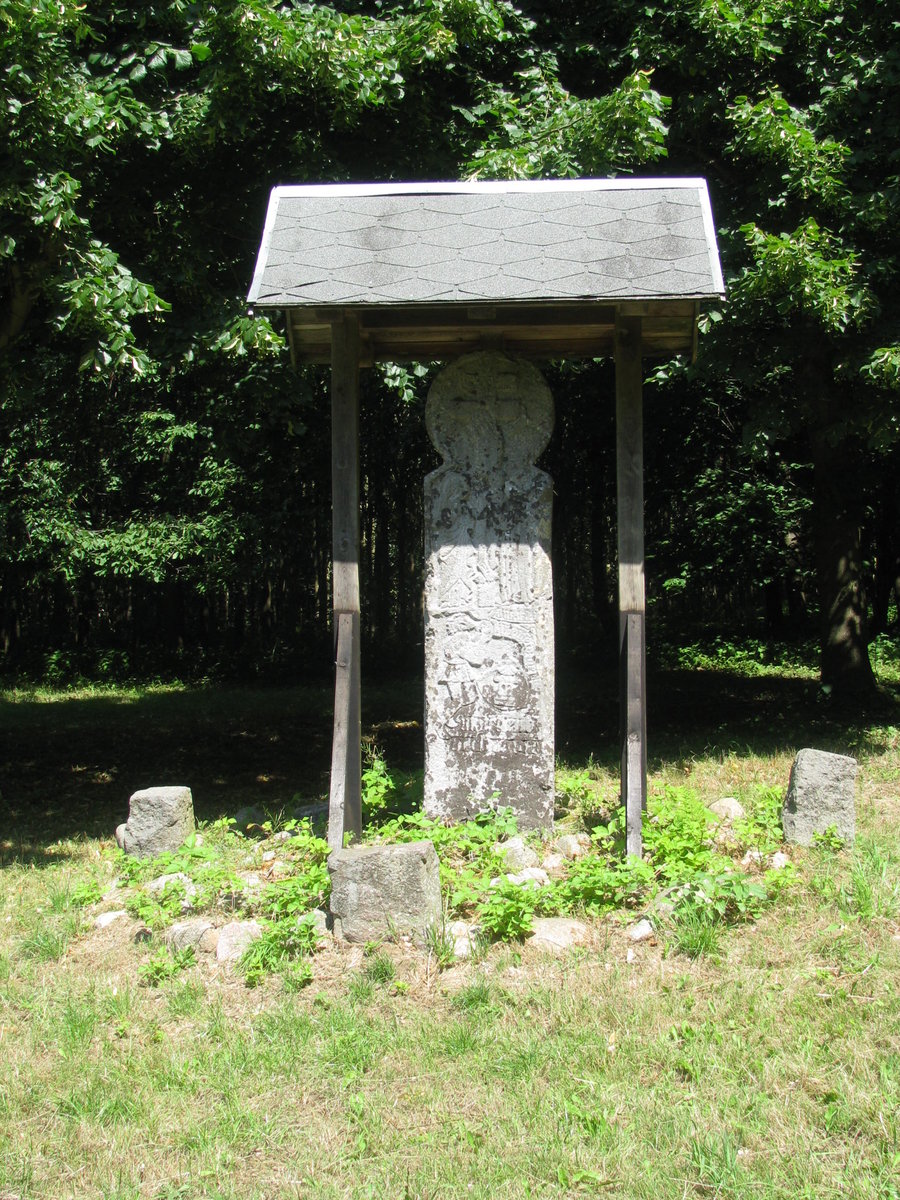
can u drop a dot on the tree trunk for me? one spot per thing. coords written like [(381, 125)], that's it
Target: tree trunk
[(846, 670)]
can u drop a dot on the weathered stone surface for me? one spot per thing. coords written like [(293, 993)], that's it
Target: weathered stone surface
[(779, 861), (488, 593), (159, 819), (821, 793), (235, 937), (529, 875), (377, 891), (557, 934), (554, 864), (727, 809), (463, 938), (516, 853), (199, 934), (107, 918), (571, 846), (640, 931)]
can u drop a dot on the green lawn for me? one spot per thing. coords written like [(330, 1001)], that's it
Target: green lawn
[(768, 1066)]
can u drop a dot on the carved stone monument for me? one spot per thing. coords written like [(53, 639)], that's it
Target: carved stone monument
[(489, 676)]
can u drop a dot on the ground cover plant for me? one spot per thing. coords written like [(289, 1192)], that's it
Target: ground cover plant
[(748, 1053)]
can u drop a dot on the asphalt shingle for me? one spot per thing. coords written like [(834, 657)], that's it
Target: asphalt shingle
[(434, 243)]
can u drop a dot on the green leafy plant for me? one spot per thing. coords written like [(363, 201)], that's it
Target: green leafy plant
[(760, 827), (829, 840), (676, 834), (507, 913), (279, 945), (157, 910), (164, 964), (378, 784)]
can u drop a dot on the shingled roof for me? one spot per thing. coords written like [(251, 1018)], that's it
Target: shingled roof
[(441, 245)]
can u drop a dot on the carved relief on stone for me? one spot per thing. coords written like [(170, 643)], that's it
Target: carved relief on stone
[(488, 593)]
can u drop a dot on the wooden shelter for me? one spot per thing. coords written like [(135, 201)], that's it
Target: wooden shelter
[(552, 269)]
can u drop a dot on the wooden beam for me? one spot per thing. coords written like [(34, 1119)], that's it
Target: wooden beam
[(344, 803), (632, 605)]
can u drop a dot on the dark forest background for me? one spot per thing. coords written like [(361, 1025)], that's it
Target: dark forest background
[(164, 472)]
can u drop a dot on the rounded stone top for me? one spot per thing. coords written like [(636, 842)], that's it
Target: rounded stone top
[(489, 410)]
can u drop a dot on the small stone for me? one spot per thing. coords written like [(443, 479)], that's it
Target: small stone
[(159, 819), (462, 938), (570, 846), (553, 864), (268, 856), (557, 934), (752, 858), (631, 956), (198, 934), (283, 835), (250, 814), (516, 854), (779, 861), (640, 931), (310, 812), (380, 891), (727, 809), (235, 937), (107, 918), (529, 875), (821, 794)]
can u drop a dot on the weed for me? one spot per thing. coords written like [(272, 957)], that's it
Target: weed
[(280, 943), (507, 913), (828, 840), (380, 969), (475, 995), (441, 944), (676, 832), (165, 964), (378, 784), (296, 975), (760, 827), (697, 932)]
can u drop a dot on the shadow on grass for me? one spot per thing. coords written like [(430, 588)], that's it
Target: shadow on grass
[(67, 767)]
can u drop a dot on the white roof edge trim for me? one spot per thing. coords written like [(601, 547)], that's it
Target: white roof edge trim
[(715, 267), (287, 191), (263, 254)]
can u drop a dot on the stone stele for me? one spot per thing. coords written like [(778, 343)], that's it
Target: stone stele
[(159, 819), (821, 793), (380, 891), (489, 674)]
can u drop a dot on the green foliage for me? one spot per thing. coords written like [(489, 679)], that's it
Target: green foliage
[(829, 839), (297, 894), (157, 909), (731, 895), (276, 950), (378, 785), (760, 827), (165, 964), (507, 913), (676, 834)]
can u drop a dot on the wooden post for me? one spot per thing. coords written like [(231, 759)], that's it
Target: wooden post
[(630, 525), (344, 802)]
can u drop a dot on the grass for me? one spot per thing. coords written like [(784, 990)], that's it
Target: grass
[(763, 1066)]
